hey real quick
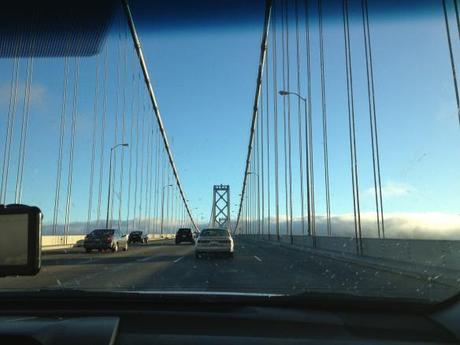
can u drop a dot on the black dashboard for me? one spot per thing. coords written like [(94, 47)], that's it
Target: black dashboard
[(212, 323)]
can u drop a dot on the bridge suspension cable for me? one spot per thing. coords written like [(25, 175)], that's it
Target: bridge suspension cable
[(373, 122), (451, 53), (352, 128), (263, 51), (155, 106)]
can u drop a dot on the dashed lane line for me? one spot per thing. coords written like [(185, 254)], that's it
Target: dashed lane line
[(178, 259), (257, 258)]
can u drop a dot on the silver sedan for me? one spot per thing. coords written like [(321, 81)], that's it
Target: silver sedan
[(214, 241)]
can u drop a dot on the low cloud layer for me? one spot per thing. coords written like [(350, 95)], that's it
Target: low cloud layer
[(432, 225)]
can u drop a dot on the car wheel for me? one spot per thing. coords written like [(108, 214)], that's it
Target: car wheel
[(115, 247), (126, 247), (230, 255), (198, 255)]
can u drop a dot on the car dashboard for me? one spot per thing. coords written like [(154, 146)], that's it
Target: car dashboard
[(228, 323)]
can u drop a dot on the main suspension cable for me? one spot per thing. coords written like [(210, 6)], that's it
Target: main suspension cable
[(451, 55)]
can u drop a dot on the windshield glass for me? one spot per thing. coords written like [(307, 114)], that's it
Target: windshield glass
[(323, 136), (214, 232)]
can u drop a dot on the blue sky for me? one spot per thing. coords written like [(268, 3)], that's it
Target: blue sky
[(204, 80)]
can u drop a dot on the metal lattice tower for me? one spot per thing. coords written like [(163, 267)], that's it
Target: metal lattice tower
[(220, 216)]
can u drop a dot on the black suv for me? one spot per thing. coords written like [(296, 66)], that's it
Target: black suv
[(136, 236), (185, 235)]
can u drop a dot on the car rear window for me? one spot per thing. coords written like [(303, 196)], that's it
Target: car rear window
[(214, 232), (102, 232), (184, 231)]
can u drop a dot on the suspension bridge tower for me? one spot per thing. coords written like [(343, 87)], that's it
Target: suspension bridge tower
[(220, 216)]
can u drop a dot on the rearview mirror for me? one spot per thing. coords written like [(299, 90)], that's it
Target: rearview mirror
[(20, 240)]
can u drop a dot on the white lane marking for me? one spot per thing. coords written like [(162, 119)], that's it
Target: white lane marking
[(257, 258), (178, 259), (147, 258)]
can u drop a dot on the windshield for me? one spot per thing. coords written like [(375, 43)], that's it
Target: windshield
[(323, 136)]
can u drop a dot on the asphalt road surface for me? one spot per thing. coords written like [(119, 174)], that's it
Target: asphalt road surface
[(256, 267)]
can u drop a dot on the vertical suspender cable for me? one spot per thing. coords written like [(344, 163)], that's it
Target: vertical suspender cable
[(257, 158), (10, 127), (24, 128), (299, 116), (57, 192), (157, 181), (324, 113), (275, 125), (136, 171), (263, 51), (102, 141), (123, 128), (267, 112), (285, 134), (130, 169), (351, 125), (308, 141), (148, 172), (72, 148), (157, 178), (262, 153), (289, 121), (115, 132), (141, 182), (373, 123), (93, 148), (451, 55)]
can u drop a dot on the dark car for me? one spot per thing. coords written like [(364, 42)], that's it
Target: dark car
[(185, 235), (137, 236), (103, 239)]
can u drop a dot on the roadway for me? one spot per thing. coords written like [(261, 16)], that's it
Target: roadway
[(256, 267)]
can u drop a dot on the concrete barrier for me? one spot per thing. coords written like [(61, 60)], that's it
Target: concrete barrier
[(50, 242), (60, 241), (430, 253)]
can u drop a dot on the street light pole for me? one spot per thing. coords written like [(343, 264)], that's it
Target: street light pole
[(308, 153), (163, 206), (110, 182)]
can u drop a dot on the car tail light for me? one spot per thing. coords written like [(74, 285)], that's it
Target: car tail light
[(108, 239)]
